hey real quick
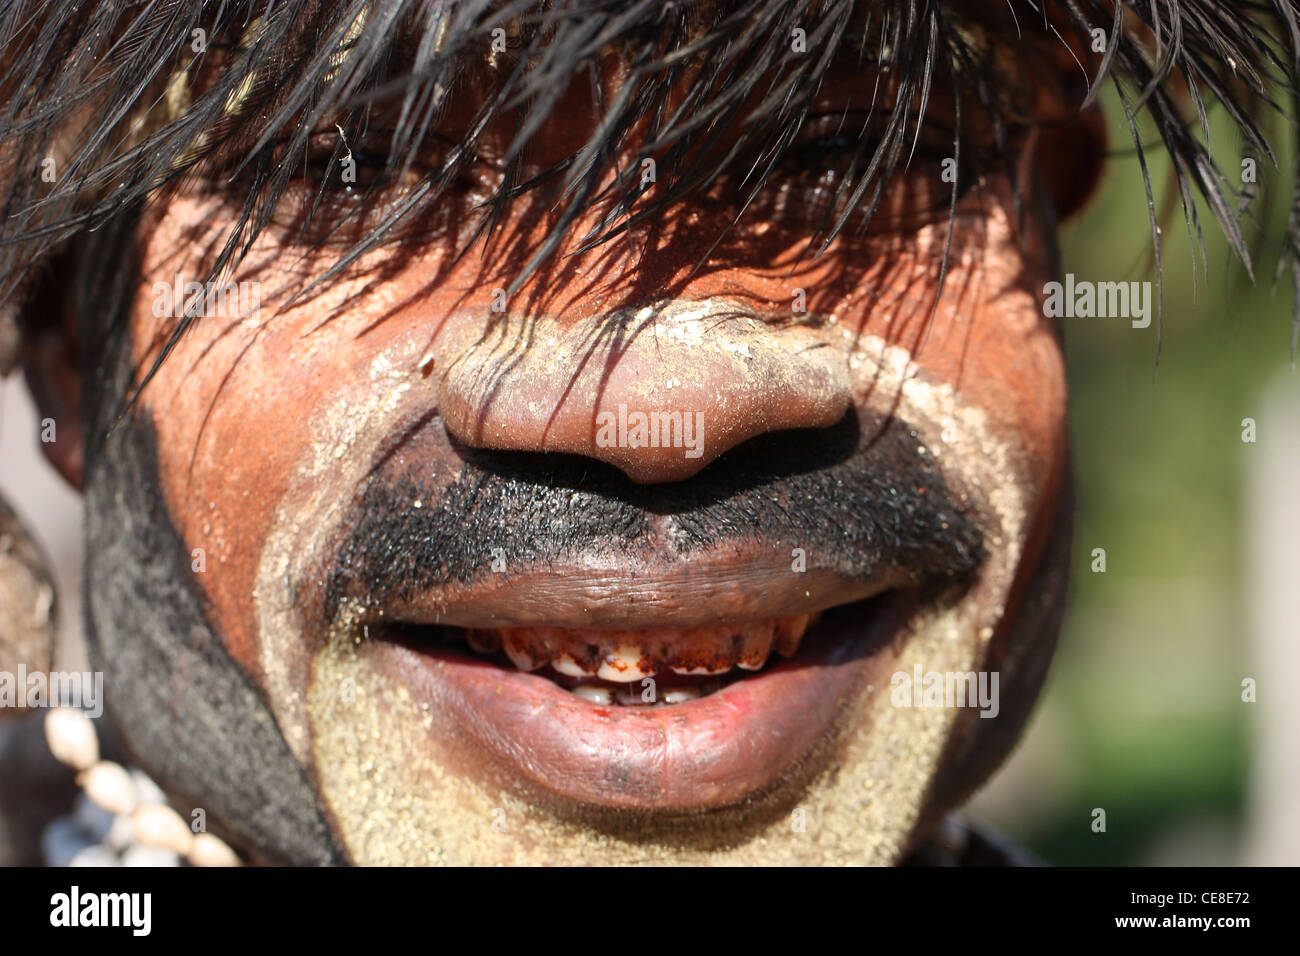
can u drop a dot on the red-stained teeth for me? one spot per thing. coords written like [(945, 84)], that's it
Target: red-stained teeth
[(520, 649), (708, 651), (699, 671), (624, 664), (789, 633), (569, 667), (625, 657), (756, 645)]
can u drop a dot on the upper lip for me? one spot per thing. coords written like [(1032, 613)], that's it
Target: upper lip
[(707, 591), (789, 526)]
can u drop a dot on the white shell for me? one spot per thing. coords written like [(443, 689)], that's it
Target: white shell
[(159, 825), (110, 786), (211, 851), (148, 790), (71, 738), (149, 856)]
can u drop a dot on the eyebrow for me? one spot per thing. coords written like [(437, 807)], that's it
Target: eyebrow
[(119, 93)]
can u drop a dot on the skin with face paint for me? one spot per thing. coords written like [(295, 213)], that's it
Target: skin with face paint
[(392, 510), (398, 385)]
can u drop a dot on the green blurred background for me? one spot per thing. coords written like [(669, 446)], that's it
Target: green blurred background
[(1142, 715)]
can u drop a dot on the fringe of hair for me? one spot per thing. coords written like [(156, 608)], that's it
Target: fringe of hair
[(127, 104)]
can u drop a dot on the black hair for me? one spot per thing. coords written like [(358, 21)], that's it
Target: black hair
[(130, 100)]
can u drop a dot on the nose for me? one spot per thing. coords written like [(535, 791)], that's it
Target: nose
[(658, 393)]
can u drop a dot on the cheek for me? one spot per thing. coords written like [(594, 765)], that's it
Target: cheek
[(988, 340), (238, 407), (987, 366)]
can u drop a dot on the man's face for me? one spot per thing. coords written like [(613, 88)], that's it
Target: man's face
[(495, 622)]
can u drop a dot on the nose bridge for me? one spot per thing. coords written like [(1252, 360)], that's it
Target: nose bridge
[(658, 392)]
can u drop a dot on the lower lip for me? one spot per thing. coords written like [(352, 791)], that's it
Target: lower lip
[(742, 741)]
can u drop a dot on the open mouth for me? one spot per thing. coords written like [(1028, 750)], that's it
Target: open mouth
[(661, 719), (630, 668)]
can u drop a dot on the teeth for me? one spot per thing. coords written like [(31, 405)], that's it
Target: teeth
[(596, 695), (631, 696), (756, 645), (706, 651), (521, 659), (516, 647), (680, 695), (623, 665), (567, 666), (629, 656), (789, 634)]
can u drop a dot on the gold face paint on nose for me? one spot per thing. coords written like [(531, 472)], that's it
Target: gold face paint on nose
[(658, 395)]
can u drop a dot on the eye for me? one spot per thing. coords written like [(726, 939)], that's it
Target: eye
[(818, 175), (343, 188), (829, 153), (346, 170)]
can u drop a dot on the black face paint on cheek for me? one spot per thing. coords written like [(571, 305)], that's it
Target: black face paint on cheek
[(862, 499), (186, 712)]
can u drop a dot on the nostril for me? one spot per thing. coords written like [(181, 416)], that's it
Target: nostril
[(659, 401), (767, 458)]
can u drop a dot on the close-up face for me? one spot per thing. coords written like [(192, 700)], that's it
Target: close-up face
[(615, 499), (451, 590)]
